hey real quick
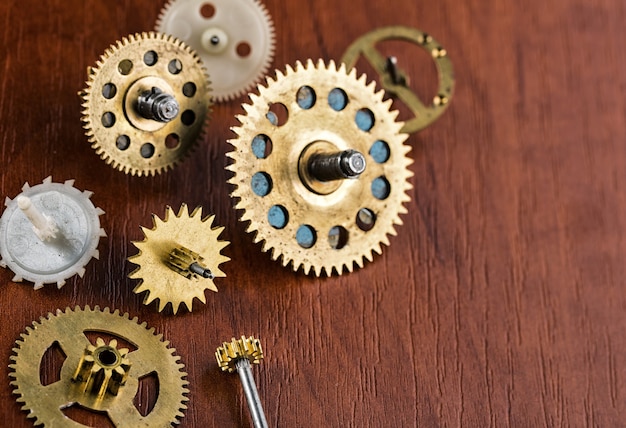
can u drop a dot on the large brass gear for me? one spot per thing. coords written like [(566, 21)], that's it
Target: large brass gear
[(109, 394), (168, 251), (121, 91), (323, 225)]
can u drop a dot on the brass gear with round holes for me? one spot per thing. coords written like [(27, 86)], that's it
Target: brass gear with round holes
[(324, 226), (119, 130), (150, 356), (166, 252)]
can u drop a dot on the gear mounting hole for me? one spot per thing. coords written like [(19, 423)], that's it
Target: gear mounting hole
[(277, 114), (244, 49), (108, 119), (108, 357), (150, 58), (147, 150), (306, 236), (305, 97), (175, 66), (337, 237), (278, 217), (261, 146), (365, 219), (380, 151), (125, 66), (189, 89), (172, 141), (381, 188), (122, 142), (364, 119), (261, 184), (188, 117), (337, 99), (207, 10), (109, 90)]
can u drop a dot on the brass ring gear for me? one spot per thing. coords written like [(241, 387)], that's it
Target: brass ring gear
[(167, 251), (425, 114), (327, 226), (67, 329), (127, 139)]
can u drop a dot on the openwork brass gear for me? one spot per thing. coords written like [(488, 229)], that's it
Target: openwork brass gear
[(234, 38), (152, 355), (167, 251), (146, 103), (395, 81), (321, 225)]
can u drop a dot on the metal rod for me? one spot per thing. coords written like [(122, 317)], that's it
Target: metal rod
[(252, 396), (198, 269), (336, 166), (157, 105)]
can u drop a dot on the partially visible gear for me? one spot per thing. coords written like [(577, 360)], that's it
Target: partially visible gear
[(234, 38), (152, 356), (49, 233), (244, 348), (178, 258), (320, 168), (146, 103)]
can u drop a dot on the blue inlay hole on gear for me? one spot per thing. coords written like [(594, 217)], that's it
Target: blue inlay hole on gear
[(305, 97), (277, 114), (337, 99), (277, 216), (261, 183), (364, 119), (306, 236), (261, 146), (380, 151), (381, 188)]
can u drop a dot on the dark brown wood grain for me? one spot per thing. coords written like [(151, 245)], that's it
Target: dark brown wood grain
[(501, 301)]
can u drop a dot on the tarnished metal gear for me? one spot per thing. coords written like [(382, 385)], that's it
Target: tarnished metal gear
[(146, 103), (323, 182), (178, 258), (151, 356), (234, 38)]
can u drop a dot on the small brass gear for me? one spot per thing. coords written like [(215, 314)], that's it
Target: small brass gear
[(320, 168), (244, 348), (98, 377), (234, 38), (178, 258), (146, 103)]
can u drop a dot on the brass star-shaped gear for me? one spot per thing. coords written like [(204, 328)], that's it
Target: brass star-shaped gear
[(87, 386), (130, 80), (320, 223), (178, 258)]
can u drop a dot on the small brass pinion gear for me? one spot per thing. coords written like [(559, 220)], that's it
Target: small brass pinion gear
[(179, 258), (97, 376), (320, 168), (146, 103)]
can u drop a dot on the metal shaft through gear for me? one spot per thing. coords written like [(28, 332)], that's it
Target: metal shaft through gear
[(309, 111), (146, 103), (152, 355)]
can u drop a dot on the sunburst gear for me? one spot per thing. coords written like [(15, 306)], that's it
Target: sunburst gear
[(79, 384), (234, 38), (49, 233), (320, 168), (179, 258), (146, 103)]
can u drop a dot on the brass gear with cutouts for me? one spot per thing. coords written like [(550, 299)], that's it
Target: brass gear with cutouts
[(171, 241), (324, 226), (119, 130), (151, 356)]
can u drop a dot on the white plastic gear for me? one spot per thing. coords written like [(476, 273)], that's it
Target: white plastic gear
[(59, 258), (236, 23)]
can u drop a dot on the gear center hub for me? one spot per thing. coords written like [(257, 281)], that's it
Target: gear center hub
[(136, 92), (214, 41)]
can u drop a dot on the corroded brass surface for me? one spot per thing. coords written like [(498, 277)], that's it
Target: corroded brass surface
[(395, 81), (45, 404), (116, 130), (330, 210), (157, 276)]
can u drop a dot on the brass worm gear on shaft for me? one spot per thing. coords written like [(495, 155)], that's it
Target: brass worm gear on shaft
[(146, 103), (98, 377), (320, 168), (179, 258), (234, 38)]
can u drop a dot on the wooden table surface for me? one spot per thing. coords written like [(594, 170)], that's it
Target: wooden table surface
[(501, 301)]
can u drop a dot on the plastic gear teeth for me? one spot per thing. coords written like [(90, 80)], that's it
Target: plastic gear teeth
[(331, 220), (171, 143), (66, 328), (68, 253), (247, 21), (164, 283)]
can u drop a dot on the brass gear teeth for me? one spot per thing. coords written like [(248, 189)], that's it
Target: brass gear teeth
[(244, 348), (44, 404), (219, 94), (157, 279), (303, 207), (130, 160)]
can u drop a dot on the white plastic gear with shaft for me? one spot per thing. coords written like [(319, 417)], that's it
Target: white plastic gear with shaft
[(234, 38), (324, 226), (69, 241)]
